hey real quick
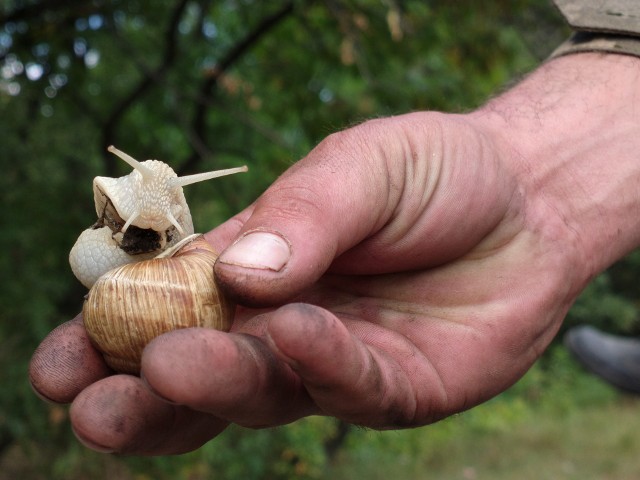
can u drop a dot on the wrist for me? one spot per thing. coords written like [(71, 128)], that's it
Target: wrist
[(572, 133)]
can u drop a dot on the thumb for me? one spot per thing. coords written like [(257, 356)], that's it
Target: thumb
[(389, 195), (322, 206)]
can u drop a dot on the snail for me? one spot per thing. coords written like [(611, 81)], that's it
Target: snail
[(148, 273)]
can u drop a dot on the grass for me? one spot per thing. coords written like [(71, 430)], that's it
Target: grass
[(590, 443), (557, 423)]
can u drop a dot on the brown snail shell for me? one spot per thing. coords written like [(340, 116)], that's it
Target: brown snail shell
[(132, 304)]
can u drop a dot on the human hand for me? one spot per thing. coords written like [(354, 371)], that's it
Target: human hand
[(409, 268)]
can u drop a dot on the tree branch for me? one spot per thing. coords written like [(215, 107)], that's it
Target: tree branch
[(147, 81), (333, 444), (208, 87), (40, 9)]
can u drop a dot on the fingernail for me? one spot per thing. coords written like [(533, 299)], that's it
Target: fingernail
[(41, 395), (90, 444), (258, 250)]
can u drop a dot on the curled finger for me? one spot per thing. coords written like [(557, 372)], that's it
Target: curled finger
[(232, 376), (348, 376), (120, 414)]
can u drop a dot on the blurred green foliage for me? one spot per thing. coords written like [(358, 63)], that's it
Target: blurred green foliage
[(206, 85)]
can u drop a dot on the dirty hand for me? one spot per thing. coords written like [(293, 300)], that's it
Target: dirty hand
[(406, 269)]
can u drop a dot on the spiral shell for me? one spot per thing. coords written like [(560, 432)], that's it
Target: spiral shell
[(132, 304)]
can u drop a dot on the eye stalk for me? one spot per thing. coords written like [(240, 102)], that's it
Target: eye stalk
[(201, 177), (148, 174), (150, 178)]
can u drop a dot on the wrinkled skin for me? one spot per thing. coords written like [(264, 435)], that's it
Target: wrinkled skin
[(412, 267)]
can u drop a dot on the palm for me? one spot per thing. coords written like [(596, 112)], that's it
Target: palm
[(443, 334)]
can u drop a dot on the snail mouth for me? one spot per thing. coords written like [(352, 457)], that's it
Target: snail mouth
[(136, 240)]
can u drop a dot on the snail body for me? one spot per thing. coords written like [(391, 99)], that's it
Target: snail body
[(139, 216), (147, 272)]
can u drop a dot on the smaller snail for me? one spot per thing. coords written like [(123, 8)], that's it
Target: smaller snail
[(148, 273)]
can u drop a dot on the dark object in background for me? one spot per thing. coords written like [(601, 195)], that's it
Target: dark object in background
[(614, 359)]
